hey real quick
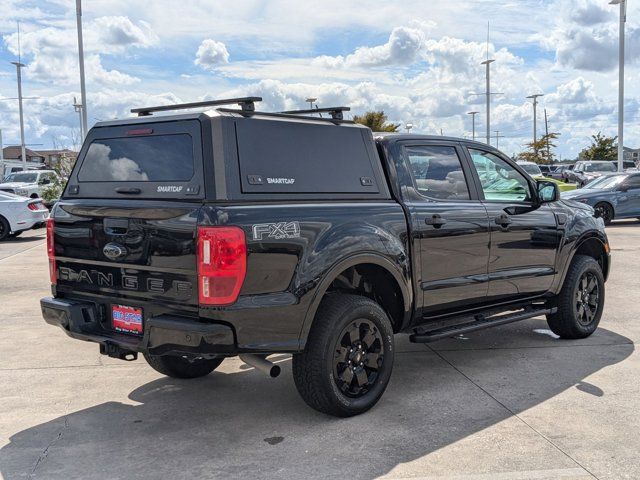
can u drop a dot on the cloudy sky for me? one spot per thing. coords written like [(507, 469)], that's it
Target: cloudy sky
[(417, 60)]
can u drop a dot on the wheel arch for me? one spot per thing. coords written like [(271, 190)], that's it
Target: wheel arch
[(346, 275), (593, 244)]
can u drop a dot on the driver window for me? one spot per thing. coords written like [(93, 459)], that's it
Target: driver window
[(500, 181), (437, 172)]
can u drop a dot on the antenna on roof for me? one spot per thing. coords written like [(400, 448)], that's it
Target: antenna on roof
[(247, 104), (335, 112)]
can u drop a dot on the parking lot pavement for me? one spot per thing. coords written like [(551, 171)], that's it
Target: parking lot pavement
[(508, 403)]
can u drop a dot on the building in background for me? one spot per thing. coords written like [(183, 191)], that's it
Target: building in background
[(632, 154)]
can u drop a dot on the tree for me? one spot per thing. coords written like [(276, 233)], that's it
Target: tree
[(601, 148), (376, 121), (540, 151), (63, 168)]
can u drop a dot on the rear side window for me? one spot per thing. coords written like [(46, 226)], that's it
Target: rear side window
[(437, 172), (157, 158), (298, 158)]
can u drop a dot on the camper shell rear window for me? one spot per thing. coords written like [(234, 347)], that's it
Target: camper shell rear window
[(144, 160)]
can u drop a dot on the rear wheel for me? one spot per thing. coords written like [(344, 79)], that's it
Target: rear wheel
[(347, 362), (605, 211), (4, 228), (180, 367), (581, 300)]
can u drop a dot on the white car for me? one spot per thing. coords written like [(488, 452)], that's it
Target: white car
[(27, 184), (18, 214)]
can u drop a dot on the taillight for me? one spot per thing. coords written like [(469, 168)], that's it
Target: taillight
[(51, 252), (222, 264), (33, 206)]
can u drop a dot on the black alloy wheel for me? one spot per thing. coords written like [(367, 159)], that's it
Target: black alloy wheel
[(587, 298), (359, 353), (605, 212)]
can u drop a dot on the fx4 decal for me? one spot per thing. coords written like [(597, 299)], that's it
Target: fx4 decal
[(277, 231)]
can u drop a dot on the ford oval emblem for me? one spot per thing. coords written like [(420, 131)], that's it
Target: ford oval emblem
[(114, 251)]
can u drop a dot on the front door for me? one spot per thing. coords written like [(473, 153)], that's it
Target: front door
[(629, 198), (524, 234), (449, 227)]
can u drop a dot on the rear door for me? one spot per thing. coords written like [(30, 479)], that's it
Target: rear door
[(125, 227), (449, 226), (524, 236)]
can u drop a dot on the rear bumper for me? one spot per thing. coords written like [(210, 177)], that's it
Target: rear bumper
[(163, 334)]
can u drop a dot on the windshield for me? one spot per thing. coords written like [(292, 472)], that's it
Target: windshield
[(22, 177), (603, 183), (531, 168), (599, 167)]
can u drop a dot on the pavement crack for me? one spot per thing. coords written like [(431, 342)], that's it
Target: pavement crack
[(514, 414), (45, 452)]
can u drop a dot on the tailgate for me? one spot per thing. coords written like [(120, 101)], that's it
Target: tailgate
[(146, 252)]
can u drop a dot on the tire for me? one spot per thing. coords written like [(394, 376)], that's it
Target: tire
[(5, 228), (348, 330), (179, 367), (581, 300), (605, 211)]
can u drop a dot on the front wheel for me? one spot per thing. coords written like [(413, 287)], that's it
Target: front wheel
[(581, 300), (604, 211), (180, 367), (347, 362)]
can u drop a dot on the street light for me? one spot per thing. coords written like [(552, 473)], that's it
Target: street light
[(83, 92), (23, 150), (473, 124), (623, 19), (409, 126), (535, 117), (310, 101)]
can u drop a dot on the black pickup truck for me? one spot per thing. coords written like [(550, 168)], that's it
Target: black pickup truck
[(198, 236)]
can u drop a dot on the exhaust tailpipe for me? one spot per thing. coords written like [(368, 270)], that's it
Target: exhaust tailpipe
[(259, 362)]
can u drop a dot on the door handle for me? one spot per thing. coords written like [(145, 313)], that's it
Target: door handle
[(436, 221), (503, 220)]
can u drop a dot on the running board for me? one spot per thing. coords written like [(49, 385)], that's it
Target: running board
[(480, 323)]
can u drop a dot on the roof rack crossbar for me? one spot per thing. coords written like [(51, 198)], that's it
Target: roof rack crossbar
[(335, 112), (246, 103)]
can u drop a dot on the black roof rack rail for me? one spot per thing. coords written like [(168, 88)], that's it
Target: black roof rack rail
[(336, 112), (246, 103), (283, 115)]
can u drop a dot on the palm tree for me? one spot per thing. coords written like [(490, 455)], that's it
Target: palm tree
[(376, 121)]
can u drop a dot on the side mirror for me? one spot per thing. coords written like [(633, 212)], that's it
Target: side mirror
[(547, 191)]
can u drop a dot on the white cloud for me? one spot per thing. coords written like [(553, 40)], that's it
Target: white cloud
[(402, 49), (210, 54), (121, 32)]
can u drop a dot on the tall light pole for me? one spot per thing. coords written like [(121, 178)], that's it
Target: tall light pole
[(310, 101), (623, 19), (83, 92), (535, 117), (473, 124), (23, 150), (488, 63), (409, 126)]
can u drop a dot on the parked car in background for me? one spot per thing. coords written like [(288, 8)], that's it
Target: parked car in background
[(535, 171), (587, 170), (626, 164), (612, 196), (18, 214), (29, 183), (557, 170), (546, 169)]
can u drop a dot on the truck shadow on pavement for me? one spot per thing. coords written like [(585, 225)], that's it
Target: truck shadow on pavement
[(245, 425)]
